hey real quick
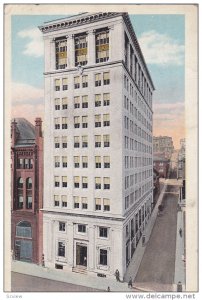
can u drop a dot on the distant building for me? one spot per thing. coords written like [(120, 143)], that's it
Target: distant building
[(163, 144), (161, 165), (156, 188), (26, 190), (181, 159)]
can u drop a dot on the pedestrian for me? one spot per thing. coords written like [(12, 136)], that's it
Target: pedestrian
[(108, 289), (180, 232), (117, 275), (130, 283), (179, 286)]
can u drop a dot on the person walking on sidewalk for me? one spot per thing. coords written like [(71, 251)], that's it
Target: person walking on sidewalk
[(117, 275), (130, 283), (180, 232)]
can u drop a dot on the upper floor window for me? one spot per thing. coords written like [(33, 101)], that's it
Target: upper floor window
[(77, 82), (64, 103), (29, 183), (57, 103), (62, 226), (98, 79), (106, 78), (57, 84), (97, 100), (85, 101), (81, 50), (61, 54), (20, 183), (81, 228), (65, 84), (106, 99), (102, 45), (103, 232)]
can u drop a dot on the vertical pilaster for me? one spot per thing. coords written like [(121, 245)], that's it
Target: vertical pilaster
[(70, 51), (91, 47), (70, 250), (111, 29), (91, 248), (52, 55)]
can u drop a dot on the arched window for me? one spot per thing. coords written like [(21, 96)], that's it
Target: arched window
[(24, 229), (20, 183), (29, 183)]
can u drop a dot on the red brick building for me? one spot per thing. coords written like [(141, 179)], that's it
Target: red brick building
[(26, 190), (161, 165)]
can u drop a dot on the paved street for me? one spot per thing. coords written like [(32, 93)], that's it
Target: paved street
[(27, 283), (157, 268)]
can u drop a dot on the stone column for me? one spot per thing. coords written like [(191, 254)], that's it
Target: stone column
[(52, 55), (91, 47), (91, 248), (70, 250), (70, 51), (111, 43)]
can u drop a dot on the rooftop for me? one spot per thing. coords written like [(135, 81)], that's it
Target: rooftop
[(26, 132)]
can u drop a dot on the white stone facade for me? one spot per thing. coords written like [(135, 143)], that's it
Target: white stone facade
[(97, 197)]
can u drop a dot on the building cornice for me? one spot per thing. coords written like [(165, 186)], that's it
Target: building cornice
[(48, 211), (78, 20)]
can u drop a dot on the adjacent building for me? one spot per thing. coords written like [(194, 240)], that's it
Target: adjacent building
[(181, 159), (98, 168), (26, 190), (163, 144)]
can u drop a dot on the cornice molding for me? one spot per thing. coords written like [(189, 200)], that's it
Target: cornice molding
[(78, 21)]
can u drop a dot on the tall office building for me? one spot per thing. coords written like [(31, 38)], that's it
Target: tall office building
[(163, 144), (98, 143)]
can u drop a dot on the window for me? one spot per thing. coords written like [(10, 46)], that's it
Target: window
[(64, 142), (76, 202), (28, 183), (29, 202), (106, 183), (103, 257), (106, 120), (24, 229), (76, 102), (106, 99), (84, 122), (62, 226), (57, 161), (85, 101), (97, 141), (77, 82), (57, 103), (106, 78), (76, 181), (98, 162), (26, 165), (84, 182), (57, 123), (84, 141), (81, 49), (64, 103), (97, 183), (61, 249), (106, 160), (85, 81), (57, 181), (20, 202), (103, 232), (56, 200), (64, 161), (106, 203), (97, 100), (65, 84), (64, 123), (57, 84), (97, 203), (64, 181), (76, 122), (20, 163), (97, 120), (57, 142), (81, 228), (20, 183), (98, 79), (61, 54), (102, 45), (64, 200), (84, 201), (106, 140), (85, 161), (76, 161), (76, 142)]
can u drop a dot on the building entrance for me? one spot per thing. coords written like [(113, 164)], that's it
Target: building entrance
[(23, 250), (81, 255)]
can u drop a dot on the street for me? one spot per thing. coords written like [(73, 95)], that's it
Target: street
[(27, 283), (157, 268)]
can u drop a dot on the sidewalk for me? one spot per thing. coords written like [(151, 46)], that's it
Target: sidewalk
[(179, 263), (139, 252), (70, 277)]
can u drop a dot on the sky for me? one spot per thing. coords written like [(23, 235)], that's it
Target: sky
[(162, 40)]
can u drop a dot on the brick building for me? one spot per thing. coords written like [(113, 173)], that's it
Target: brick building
[(161, 165), (163, 144), (26, 190)]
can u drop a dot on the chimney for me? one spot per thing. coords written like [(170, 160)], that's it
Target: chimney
[(38, 127), (13, 132)]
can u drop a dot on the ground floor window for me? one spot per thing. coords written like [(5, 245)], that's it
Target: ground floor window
[(103, 257), (61, 249)]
